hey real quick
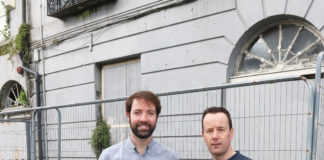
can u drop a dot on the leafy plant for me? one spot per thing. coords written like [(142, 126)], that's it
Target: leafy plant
[(7, 48), (22, 98), (100, 138), (7, 16), (22, 41), (5, 33)]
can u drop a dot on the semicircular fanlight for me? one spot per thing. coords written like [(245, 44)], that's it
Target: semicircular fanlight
[(286, 46)]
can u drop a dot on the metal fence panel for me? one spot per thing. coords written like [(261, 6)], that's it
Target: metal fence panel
[(14, 139), (270, 120), (76, 129)]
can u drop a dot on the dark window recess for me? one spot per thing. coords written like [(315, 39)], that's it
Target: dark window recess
[(63, 8)]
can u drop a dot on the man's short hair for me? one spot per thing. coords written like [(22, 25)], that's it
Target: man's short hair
[(147, 96), (217, 110)]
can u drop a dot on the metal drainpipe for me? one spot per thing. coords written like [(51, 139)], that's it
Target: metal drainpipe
[(39, 116), (43, 82), (24, 11)]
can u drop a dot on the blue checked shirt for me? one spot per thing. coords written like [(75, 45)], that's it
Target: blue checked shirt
[(126, 150)]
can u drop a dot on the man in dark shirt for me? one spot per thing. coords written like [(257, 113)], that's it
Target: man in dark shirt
[(218, 133)]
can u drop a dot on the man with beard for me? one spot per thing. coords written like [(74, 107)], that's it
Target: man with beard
[(218, 133), (142, 111)]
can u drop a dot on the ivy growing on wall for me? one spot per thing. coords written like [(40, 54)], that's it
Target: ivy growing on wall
[(5, 33), (7, 16), (7, 49), (21, 41), (86, 13)]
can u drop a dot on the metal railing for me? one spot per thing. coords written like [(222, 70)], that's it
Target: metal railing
[(61, 8), (263, 125), (272, 119), (318, 123)]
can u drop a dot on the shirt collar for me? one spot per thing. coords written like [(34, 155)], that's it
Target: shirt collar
[(132, 147)]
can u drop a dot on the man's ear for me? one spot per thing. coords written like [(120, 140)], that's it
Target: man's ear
[(232, 133), (127, 115)]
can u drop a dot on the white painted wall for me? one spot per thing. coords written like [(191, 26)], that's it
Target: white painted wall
[(183, 47)]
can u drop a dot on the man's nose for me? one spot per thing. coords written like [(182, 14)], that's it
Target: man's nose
[(215, 135), (144, 117)]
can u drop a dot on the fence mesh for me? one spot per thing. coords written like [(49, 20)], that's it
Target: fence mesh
[(270, 122), (77, 123), (14, 139)]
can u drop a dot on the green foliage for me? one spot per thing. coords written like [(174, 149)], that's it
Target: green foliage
[(100, 138), (5, 33), (22, 98), (7, 16), (22, 41), (7, 48), (86, 13)]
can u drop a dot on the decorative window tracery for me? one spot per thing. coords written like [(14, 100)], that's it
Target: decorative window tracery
[(13, 95), (283, 47)]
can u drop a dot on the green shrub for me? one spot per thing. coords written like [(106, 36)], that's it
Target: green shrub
[(22, 98), (100, 138)]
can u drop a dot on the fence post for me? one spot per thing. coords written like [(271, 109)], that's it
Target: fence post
[(318, 75), (310, 118), (33, 147), (58, 134), (223, 97), (28, 139)]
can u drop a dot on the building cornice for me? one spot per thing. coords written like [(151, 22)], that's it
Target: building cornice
[(107, 21)]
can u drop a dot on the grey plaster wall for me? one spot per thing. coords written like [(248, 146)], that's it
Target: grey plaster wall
[(181, 47)]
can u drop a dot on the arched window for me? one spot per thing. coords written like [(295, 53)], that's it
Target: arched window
[(13, 95), (283, 48)]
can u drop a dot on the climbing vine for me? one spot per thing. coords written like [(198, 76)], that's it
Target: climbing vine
[(7, 49), (21, 41), (5, 33)]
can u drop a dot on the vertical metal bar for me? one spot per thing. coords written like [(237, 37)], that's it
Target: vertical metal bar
[(58, 134), (223, 97), (28, 139), (310, 125), (33, 147), (39, 114), (316, 106)]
